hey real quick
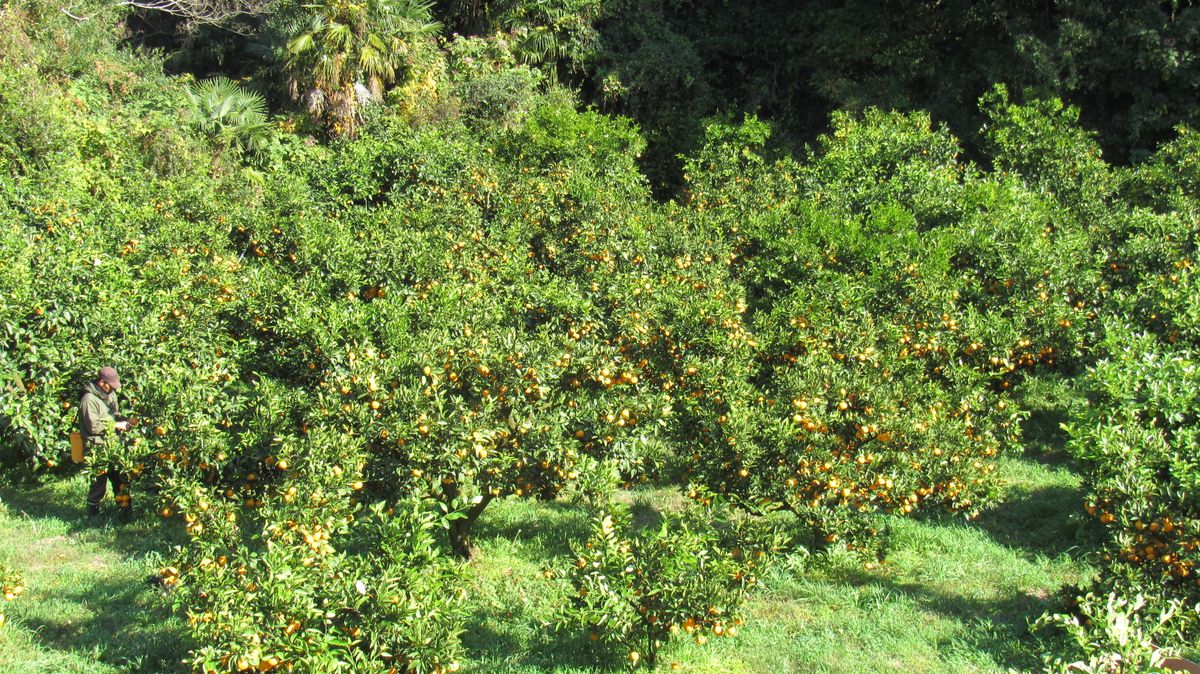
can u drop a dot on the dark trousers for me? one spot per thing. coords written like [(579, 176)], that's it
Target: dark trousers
[(100, 485)]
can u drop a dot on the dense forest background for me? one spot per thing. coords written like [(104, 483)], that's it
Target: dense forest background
[(1130, 66)]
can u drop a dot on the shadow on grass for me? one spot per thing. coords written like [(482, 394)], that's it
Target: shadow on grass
[(551, 526), (104, 614), (1051, 399), (1044, 439), (543, 649), (998, 627), (42, 497), (645, 515), (142, 535), (1042, 521), (130, 629)]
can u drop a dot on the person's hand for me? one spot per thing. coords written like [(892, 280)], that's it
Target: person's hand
[(122, 425)]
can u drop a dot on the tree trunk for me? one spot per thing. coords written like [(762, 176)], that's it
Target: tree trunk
[(460, 529), (460, 538)]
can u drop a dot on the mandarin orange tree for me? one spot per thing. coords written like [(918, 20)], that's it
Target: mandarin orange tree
[(316, 586), (890, 317), (386, 330), (639, 589), (494, 361), (466, 332), (1136, 437)]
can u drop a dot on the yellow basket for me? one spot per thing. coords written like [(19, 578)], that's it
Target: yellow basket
[(77, 447)]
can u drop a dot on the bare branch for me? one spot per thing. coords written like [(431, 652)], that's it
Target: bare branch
[(210, 12), (77, 18)]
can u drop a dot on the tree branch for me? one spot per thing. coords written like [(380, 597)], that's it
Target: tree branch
[(209, 12), (77, 18)]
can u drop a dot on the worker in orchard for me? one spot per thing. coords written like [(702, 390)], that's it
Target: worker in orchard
[(98, 421)]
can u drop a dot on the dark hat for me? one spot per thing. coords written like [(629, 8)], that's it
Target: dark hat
[(108, 375)]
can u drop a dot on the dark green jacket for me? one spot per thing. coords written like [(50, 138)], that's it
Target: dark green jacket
[(97, 412)]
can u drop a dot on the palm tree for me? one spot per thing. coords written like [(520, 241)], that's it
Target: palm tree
[(549, 32), (347, 53), (232, 116)]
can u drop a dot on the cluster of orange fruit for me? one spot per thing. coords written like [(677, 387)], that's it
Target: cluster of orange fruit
[(1156, 541), (12, 589), (11, 592)]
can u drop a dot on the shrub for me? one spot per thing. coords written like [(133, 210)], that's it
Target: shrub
[(888, 321), (316, 587), (638, 589), (1117, 636), (1138, 438)]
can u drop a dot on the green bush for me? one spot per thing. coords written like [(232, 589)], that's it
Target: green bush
[(884, 323), (639, 589), (1138, 438), (317, 588), (1117, 637)]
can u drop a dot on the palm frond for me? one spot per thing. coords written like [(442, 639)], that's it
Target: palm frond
[(301, 43), (228, 112)]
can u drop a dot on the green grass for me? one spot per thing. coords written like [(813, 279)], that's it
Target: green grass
[(954, 596), (88, 607)]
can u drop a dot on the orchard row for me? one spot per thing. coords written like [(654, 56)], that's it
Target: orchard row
[(336, 361)]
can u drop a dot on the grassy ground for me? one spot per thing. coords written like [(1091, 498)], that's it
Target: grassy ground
[(953, 596), (88, 607)]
